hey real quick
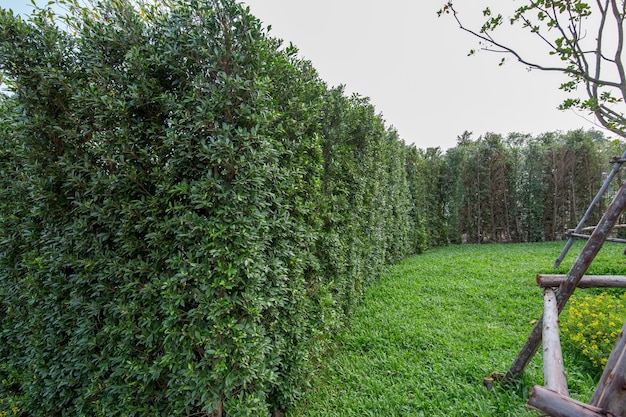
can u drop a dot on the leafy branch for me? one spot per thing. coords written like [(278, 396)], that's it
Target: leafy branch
[(564, 28)]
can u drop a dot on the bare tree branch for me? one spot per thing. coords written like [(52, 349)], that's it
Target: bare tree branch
[(561, 26), (619, 20), (531, 64)]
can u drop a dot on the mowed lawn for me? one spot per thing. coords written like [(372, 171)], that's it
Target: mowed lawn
[(434, 326)]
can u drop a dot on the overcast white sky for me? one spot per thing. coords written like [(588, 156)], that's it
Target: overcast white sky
[(414, 68)]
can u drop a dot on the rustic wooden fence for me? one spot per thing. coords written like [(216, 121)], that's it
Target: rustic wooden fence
[(553, 398)]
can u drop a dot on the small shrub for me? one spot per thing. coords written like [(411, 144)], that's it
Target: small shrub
[(592, 323)]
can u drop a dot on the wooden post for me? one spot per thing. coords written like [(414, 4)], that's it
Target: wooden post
[(557, 405), (553, 369), (611, 391), (610, 239), (587, 281), (578, 269)]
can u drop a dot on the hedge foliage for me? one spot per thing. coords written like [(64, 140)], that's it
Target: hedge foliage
[(520, 188), (189, 212)]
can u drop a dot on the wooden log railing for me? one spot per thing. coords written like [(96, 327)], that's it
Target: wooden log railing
[(558, 405), (609, 399), (592, 228), (587, 281), (607, 181), (608, 239)]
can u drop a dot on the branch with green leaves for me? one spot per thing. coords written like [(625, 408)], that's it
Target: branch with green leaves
[(582, 40)]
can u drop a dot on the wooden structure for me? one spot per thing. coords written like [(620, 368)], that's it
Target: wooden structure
[(609, 398), (553, 399)]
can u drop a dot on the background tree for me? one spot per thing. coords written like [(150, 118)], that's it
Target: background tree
[(430, 195), (451, 182), (500, 190), (515, 145), (532, 191)]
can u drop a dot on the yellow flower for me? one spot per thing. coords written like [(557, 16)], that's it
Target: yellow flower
[(592, 324)]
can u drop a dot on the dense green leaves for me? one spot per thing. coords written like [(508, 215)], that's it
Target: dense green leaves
[(191, 211)]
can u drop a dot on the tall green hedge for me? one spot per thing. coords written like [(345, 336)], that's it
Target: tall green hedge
[(190, 211)]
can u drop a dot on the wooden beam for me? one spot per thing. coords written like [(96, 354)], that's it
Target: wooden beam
[(558, 405), (581, 236), (587, 281), (553, 369), (611, 391), (576, 272)]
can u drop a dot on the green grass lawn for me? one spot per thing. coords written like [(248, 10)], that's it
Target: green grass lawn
[(434, 326)]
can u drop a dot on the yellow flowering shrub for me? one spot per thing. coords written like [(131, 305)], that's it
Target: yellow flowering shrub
[(591, 323)]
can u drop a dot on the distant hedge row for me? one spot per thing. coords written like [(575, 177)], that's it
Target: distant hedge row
[(521, 188), (188, 211)]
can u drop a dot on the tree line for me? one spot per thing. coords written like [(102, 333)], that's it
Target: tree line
[(514, 188)]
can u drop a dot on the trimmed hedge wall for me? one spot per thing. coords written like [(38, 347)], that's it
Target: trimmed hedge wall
[(190, 211)]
